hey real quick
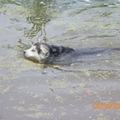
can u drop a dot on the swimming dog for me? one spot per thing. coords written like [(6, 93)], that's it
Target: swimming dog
[(52, 54)]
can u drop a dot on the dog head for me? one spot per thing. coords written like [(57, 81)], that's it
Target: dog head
[(39, 51)]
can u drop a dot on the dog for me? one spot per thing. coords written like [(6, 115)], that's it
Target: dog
[(44, 53)]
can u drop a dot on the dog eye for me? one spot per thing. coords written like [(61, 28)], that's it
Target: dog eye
[(33, 50)]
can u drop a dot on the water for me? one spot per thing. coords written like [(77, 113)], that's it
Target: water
[(29, 90)]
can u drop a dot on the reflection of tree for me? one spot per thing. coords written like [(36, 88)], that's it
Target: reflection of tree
[(39, 19), (39, 14)]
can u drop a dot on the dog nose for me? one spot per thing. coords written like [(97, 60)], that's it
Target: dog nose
[(24, 52)]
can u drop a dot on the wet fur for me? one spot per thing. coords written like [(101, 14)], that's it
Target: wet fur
[(45, 53)]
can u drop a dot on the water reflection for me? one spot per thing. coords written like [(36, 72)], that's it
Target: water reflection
[(38, 20), (39, 12)]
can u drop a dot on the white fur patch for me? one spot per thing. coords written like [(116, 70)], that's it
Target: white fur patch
[(33, 54)]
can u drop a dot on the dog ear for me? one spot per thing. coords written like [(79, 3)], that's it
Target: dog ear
[(45, 50)]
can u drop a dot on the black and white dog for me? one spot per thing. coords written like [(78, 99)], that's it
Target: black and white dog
[(52, 54)]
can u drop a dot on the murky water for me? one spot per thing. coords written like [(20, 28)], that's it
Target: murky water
[(29, 90)]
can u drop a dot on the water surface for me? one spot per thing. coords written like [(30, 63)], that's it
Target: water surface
[(29, 90)]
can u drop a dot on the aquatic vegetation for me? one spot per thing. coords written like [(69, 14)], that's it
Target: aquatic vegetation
[(15, 11), (30, 90)]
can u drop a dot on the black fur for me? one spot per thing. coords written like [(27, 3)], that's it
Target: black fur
[(38, 47), (65, 55), (59, 50)]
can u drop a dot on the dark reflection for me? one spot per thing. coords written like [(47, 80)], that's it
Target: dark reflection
[(39, 19), (40, 15)]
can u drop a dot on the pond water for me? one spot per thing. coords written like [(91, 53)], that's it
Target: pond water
[(29, 90)]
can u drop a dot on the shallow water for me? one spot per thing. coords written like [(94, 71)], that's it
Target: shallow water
[(29, 90)]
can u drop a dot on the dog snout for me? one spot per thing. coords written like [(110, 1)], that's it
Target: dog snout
[(24, 51)]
